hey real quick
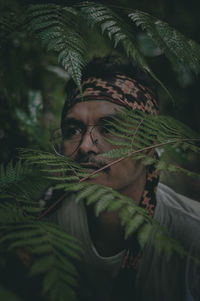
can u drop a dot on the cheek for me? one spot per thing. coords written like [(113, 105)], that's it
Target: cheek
[(124, 169), (127, 170), (121, 174)]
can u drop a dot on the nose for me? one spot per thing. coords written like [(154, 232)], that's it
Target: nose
[(88, 144)]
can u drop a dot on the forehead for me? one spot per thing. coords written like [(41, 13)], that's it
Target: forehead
[(92, 111)]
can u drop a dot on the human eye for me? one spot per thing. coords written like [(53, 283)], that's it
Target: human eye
[(71, 132), (107, 129)]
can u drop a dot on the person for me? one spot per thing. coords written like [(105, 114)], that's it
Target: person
[(114, 268)]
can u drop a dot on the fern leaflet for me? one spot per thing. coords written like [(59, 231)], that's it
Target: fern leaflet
[(56, 251), (133, 217), (56, 28), (176, 46)]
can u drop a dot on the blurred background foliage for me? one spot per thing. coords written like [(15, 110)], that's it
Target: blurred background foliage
[(32, 83)]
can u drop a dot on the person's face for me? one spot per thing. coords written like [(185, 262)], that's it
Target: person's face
[(82, 117)]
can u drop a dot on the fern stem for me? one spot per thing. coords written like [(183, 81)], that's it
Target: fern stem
[(52, 206), (132, 153), (136, 130)]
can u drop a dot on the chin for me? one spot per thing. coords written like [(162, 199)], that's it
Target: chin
[(104, 180)]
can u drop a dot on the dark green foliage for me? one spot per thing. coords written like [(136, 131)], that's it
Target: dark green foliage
[(69, 176), (22, 187), (8, 295), (56, 28), (112, 25), (12, 174), (178, 49), (118, 31), (139, 133), (10, 22), (51, 253), (44, 250), (42, 246)]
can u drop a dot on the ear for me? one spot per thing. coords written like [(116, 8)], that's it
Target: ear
[(151, 152)]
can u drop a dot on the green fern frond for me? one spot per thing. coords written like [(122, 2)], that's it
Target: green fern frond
[(118, 31), (10, 22), (165, 130), (33, 185), (115, 205), (56, 28), (153, 131), (72, 187), (139, 134), (11, 213), (165, 166), (144, 235), (147, 132), (22, 187), (99, 194), (11, 174), (53, 252), (40, 157), (176, 46), (105, 203), (113, 26), (117, 153), (133, 224), (59, 168), (134, 218), (86, 192)]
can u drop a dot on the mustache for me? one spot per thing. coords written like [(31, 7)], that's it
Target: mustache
[(91, 159)]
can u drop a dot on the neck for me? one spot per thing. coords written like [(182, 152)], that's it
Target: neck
[(106, 230), (135, 190)]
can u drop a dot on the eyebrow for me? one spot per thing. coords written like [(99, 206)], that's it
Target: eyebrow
[(74, 121)]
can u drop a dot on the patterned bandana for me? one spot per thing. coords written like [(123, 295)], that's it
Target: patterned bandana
[(131, 94), (121, 90), (126, 282), (148, 202)]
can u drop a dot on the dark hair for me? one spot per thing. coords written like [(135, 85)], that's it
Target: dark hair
[(106, 68)]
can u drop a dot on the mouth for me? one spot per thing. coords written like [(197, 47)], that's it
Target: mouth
[(90, 166)]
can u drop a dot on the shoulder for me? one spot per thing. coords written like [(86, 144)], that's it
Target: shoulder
[(177, 202), (181, 217), (179, 214)]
